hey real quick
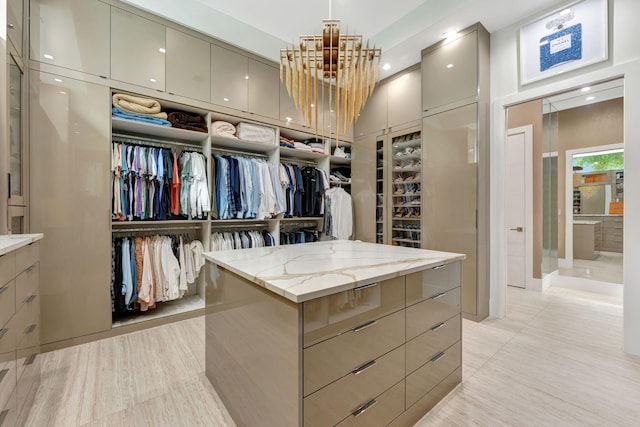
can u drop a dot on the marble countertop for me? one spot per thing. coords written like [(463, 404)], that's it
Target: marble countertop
[(306, 271), (10, 243), (585, 222)]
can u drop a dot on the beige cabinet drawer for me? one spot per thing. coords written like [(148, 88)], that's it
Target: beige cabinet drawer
[(28, 323), (379, 411), (331, 404), (7, 267), (329, 360), (428, 283), (421, 381), (331, 315), (427, 345), (425, 315), (27, 256), (8, 334), (28, 371), (27, 284), (7, 301)]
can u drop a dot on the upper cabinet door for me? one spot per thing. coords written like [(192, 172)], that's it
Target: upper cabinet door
[(288, 111), (264, 92), (373, 118), (450, 72), (188, 66), (229, 75), (14, 23), (71, 34), (137, 50), (403, 94)]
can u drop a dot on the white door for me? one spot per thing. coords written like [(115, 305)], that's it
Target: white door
[(518, 207)]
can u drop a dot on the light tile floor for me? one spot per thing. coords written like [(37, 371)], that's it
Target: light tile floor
[(555, 360)]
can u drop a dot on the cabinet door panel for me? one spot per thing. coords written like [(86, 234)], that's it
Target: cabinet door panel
[(450, 72), (229, 75), (137, 50), (264, 89), (188, 65), (70, 202), (288, 111), (71, 34), (14, 23), (373, 118), (404, 99)]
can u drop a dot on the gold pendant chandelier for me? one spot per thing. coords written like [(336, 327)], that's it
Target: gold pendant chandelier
[(330, 77)]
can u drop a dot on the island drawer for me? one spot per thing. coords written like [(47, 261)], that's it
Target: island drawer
[(329, 360), (28, 323), (428, 283), (335, 402), (379, 411), (426, 314), (328, 316), (421, 381), (27, 256), (7, 301), (425, 346), (7, 267), (27, 284)]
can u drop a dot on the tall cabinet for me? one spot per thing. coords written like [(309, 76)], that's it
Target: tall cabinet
[(455, 105)]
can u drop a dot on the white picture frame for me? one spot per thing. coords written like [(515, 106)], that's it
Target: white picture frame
[(567, 39)]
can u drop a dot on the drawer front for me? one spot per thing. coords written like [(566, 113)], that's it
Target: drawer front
[(28, 364), (27, 256), (379, 411), (330, 405), (8, 334), (428, 283), (426, 314), (27, 284), (329, 360), (7, 302), (28, 323), (329, 316), (421, 381), (7, 267), (425, 346)]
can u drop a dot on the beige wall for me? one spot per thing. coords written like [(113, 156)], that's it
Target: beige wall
[(530, 113), (589, 126)]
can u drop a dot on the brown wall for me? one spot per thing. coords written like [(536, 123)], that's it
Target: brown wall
[(589, 126), (530, 113)]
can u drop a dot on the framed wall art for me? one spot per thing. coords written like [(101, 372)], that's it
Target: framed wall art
[(569, 38)]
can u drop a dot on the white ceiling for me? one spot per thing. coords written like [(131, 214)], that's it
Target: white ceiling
[(401, 28)]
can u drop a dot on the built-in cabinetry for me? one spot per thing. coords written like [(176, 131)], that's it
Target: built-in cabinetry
[(192, 81), (15, 15), (455, 128), (19, 327), (406, 179), (377, 354)]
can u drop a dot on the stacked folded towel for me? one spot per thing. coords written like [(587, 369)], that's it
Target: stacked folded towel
[(139, 109), (223, 128), (301, 146), (286, 142), (182, 120)]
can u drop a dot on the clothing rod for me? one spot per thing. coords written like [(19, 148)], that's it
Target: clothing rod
[(238, 153), (141, 140), (286, 160), (165, 230), (215, 227)]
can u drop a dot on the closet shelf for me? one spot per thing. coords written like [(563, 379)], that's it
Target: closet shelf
[(156, 223), (397, 239), (164, 132), (293, 153), (240, 222), (186, 304), (302, 219), (404, 144), (339, 160), (218, 141)]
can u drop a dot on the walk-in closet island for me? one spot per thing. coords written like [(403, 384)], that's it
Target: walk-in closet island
[(332, 333)]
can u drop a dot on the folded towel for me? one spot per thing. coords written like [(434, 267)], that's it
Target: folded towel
[(286, 144), (302, 146), (182, 120), (256, 133), (138, 105), (116, 112), (223, 128)]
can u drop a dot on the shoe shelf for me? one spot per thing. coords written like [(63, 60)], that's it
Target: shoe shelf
[(406, 200)]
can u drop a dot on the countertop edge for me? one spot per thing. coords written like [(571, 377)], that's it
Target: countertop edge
[(11, 243)]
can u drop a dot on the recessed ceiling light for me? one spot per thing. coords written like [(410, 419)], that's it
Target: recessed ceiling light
[(47, 56), (449, 65), (162, 50), (386, 67), (585, 89), (225, 99), (590, 98)]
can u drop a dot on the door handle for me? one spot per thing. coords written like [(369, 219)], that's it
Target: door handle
[(518, 229)]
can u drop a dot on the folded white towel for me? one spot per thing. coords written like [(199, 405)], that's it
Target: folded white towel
[(138, 105), (223, 128), (302, 146), (256, 133)]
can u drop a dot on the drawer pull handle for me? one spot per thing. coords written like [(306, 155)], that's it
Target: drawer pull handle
[(438, 267), (365, 286), (3, 374), (31, 298), (31, 268), (440, 295), (3, 415), (363, 408), (3, 331), (2, 289), (360, 369), (364, 326), (435, 328), (437, 357), (30, 329), (30, 359), (11, 26)]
